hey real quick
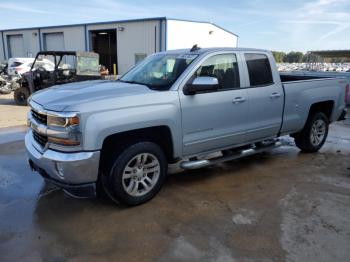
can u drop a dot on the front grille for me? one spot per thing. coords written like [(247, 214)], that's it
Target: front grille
[(41, 118), (41, 139)]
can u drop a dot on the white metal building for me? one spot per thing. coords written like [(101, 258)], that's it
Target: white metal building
[(123, 43)]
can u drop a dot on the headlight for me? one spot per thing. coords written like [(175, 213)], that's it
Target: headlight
[(62, 121), (63, 130)]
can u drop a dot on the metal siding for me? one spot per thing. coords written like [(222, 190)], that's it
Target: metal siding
[(184, 34), (30, 39), (135, 39), (15, 44), (90, 24), (74, 39), (40, 43), (138, 37), (2, 48), (54, 42), (85, 38)]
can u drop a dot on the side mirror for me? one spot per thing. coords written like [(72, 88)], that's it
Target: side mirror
[(201, 84)]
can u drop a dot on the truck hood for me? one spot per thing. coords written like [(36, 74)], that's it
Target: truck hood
[(59, 98)]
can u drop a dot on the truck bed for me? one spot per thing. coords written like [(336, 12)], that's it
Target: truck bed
[(294, 76), (290, 77)]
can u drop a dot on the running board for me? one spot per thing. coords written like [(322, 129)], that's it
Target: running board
[(209, 162)]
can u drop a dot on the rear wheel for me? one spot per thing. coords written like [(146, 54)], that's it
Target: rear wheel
[(314, 134), (137, 174), (21, 96)]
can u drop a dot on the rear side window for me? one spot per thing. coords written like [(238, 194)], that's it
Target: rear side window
[(259, 69)]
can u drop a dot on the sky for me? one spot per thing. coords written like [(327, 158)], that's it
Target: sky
[(298, 25)]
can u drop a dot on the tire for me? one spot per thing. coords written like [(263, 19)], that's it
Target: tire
[(21, 96), (137, 174), (314, 134)]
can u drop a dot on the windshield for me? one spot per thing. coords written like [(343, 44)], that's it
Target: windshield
[(88, 65), (45, 62), (159, 71)]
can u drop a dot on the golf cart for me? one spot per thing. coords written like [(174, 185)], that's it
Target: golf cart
[(55, 68)]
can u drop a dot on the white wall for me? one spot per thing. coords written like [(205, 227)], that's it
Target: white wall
[(137, 38), (184, 34)]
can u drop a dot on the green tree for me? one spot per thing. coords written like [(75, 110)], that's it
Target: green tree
[(294, 57), (279, 56)]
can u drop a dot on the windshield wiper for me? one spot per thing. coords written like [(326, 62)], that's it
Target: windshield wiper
[(125, 81), (133, 82)]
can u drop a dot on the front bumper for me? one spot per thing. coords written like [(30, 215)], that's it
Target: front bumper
[(76, 173)]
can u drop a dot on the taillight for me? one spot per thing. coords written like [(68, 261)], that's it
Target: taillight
[(347, 89)]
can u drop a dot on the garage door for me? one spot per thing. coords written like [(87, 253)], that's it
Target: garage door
[(54, 42), (15, 46)]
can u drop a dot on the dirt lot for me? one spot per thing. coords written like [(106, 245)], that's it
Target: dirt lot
[(276, 206), (10, 113)]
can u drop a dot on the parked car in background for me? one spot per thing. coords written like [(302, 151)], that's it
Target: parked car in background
[(19, 65), (8, 83), (56, 68), (3, 68), (174, 106)]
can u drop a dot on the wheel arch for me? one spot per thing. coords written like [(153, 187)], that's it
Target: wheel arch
[(160, 135), (325, 107)]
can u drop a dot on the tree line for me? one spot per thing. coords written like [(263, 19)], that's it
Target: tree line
[(291, 57), (299, 57)]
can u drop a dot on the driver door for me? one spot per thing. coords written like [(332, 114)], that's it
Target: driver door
[(217, 119)]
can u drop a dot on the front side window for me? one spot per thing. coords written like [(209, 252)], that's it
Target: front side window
[(259, 69), (159, 71), (224, 67)]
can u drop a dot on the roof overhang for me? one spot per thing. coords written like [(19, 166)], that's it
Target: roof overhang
[(331, 53)]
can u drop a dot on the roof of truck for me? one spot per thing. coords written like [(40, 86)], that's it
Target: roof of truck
[(200, 50)]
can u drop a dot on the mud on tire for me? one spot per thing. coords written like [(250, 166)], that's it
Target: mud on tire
[(314, 134), (137, 174), (21, 96)]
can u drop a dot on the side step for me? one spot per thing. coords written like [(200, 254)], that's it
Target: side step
[(243, 153)]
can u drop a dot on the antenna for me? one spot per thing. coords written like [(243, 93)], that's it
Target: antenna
[(195, 48)]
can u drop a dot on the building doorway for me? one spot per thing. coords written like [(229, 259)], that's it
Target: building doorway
[(104, 42)]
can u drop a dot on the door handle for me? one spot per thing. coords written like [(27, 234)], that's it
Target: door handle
[(275, 95), (238, 100)]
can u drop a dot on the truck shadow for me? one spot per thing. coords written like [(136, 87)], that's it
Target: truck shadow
[(7, 101)]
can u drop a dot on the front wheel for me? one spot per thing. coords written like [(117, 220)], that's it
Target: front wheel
[(314, 134), (21, 96), (137, 174)]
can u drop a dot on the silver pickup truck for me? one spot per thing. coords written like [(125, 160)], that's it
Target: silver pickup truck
[(118, 137)]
